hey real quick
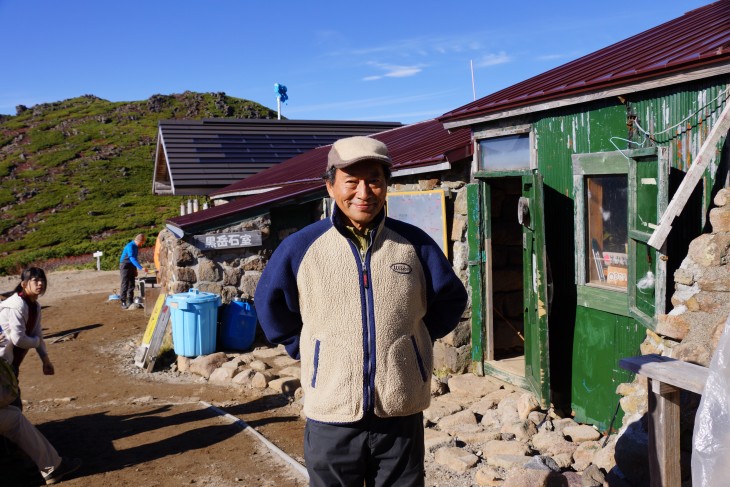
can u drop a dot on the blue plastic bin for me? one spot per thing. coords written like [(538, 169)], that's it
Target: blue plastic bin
[(194, 315), (238, 328)]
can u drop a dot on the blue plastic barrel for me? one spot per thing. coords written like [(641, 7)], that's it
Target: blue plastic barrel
[(238, 329), (194, 315)]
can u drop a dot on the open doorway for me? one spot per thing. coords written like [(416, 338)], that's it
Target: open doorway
[(506, 350)]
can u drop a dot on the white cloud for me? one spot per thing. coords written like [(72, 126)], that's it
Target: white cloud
[(421, 46), (551, 57), (492, 59), (394, 71)]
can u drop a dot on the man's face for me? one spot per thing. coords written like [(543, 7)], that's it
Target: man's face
[(359, 191)]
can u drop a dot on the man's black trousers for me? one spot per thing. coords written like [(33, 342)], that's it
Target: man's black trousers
[(128, 273), (376, 452)]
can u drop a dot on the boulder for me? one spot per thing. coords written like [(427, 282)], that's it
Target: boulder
[(260, 380), (488, 477), (497, 447), (436, 439), (465, 417), (583, 455), (526, 404), (581, 433), (440, 407), (519, 430), (222, 376), (506, 461), (204, 365), (456, 459), (244, 377)]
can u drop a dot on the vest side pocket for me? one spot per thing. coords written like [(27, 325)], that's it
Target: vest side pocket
[(315, 364), (419, 359)]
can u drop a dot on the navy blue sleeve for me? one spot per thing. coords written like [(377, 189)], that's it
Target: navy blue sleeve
[(445, 293), (277, 296)]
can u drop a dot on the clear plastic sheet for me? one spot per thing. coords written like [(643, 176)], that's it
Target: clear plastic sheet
[(711, 437)]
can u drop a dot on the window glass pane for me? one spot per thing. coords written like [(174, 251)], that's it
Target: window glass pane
[(508, 153), (606, 214), (645, 278), (647, 190)]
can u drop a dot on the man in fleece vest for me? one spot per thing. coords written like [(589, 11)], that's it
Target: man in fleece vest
[(359, 298)]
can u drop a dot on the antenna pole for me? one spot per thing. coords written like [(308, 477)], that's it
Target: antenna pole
[(473, 89)]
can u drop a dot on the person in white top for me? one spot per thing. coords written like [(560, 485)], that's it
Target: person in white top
[(20, 323)]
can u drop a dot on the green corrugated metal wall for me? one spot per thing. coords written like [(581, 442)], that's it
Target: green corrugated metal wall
[(598, 127)]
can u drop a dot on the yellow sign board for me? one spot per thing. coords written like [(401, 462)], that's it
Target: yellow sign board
[(153, 319)]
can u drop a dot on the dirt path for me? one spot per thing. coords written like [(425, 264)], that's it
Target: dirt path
[(138, 429)]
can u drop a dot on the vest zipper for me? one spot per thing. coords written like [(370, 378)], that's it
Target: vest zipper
[(370, 400)]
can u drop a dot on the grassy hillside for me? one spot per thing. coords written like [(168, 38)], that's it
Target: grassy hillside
[(76, 175)]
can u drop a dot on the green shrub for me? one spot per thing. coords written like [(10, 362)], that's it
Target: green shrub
[(43, 139), (32, 174), (56, 158)]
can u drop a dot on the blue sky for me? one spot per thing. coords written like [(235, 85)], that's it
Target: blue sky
[(375, 60)]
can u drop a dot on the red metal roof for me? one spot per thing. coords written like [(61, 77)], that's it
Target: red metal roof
[(699, 38), (234, 209), (421, 144), (418, 144)]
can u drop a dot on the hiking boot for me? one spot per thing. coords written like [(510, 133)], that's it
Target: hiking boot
[(67, 466), (124, 305)]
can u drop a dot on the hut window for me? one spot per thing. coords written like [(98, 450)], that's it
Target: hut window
[(607, 232), (507, 153)]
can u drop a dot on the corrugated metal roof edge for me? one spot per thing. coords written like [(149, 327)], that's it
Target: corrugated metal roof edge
[(452, 120), (269, 121), (309, 185), (433, 161)]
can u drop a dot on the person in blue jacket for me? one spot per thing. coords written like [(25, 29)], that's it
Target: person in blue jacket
[(360, 298), (128, 266)]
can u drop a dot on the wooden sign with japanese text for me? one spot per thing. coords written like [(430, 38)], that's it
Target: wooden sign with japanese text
[(234, 240)]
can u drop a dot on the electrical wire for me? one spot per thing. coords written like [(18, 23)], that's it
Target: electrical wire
[(723, 92), (649, 136)]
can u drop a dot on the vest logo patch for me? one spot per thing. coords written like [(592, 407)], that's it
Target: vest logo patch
[(401, 268)]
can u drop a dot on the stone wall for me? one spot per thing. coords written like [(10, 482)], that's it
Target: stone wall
[(230, 273), (235, 272)]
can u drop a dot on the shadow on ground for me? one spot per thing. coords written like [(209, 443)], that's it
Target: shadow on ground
[(96, 437)]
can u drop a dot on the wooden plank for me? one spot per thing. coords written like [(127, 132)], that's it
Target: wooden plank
[(664, 464), (684, 375), (157, 337), (694, 174), (148, 350)]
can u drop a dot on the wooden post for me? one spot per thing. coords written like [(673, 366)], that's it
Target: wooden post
[(98, 255), (664, 465)]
